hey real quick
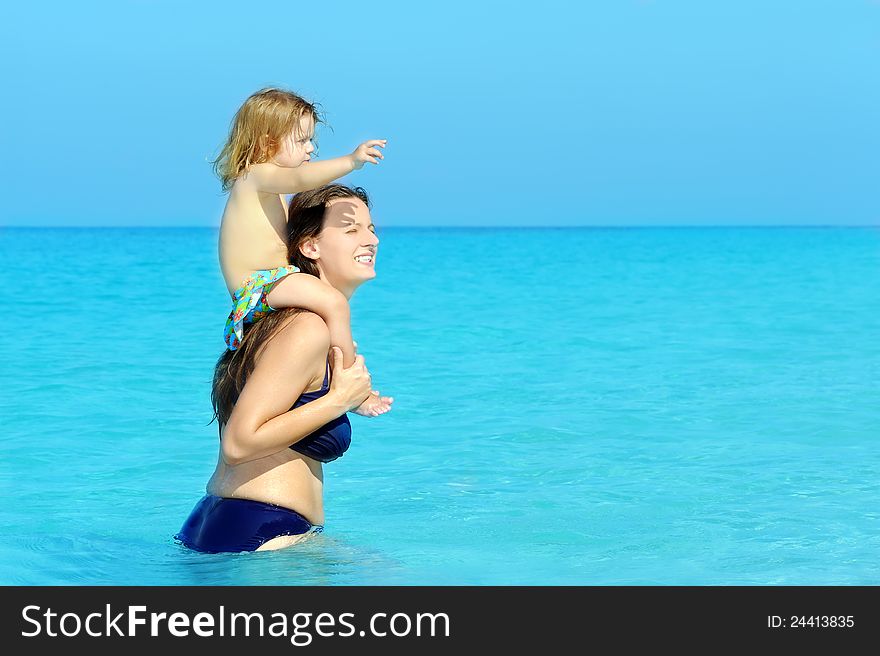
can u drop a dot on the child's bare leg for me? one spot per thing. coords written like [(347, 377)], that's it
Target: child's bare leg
[(313, 294), (374, 405)]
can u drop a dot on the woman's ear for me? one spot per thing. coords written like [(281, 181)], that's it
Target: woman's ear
[(310, 249)]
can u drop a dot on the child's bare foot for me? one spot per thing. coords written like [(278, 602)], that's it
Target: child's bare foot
[(374, 405)]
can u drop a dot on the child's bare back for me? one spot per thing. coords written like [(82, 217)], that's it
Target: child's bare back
[(253, 233)]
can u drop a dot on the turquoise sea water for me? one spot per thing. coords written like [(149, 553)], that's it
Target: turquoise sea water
[(573, 406)]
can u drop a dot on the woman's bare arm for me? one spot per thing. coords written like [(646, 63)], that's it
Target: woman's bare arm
[(262, 422)]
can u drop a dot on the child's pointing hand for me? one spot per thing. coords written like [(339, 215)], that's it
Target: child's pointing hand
[(368, 152)]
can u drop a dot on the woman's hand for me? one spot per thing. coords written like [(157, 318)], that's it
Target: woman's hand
[(350, 386), (375, 404)]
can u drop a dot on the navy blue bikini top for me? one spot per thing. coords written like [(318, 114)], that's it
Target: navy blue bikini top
[(333, 438)]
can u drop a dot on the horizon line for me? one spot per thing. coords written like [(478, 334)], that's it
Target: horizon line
[(732, 226), (478, 227)]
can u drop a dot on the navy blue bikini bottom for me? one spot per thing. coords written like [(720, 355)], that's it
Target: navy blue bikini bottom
[(219, 524)]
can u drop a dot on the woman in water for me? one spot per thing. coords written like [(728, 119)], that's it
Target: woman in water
[(280, 412)]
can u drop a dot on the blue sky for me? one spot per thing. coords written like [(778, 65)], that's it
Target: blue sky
[(631, 112)]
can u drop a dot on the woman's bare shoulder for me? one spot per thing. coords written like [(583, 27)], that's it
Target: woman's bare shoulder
[(296, 353), (304, 332)]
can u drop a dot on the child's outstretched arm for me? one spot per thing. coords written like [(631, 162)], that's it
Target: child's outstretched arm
[(274, 179)]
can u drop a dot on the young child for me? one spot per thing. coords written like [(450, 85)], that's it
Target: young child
[(266, 156)]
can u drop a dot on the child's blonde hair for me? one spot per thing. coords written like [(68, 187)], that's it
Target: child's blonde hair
[(261, 123)]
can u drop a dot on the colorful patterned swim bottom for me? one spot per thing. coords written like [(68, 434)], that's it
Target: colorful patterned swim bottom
[(249, 303)]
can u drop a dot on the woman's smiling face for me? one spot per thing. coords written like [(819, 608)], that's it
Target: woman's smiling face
[(346, 248)]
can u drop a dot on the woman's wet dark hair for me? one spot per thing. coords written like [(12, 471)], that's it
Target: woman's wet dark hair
[(305, 221)]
